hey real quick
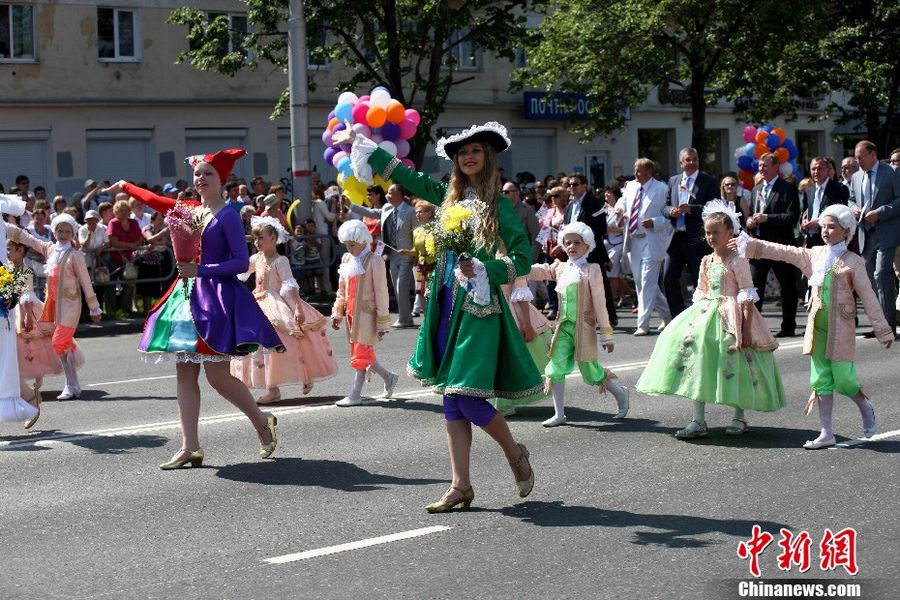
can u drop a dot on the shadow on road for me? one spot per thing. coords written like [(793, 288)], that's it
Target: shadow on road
[(672, 531), (331, 474), (114, 444)]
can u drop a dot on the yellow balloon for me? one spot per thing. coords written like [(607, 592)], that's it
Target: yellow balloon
[(356, 190), (290, 213)]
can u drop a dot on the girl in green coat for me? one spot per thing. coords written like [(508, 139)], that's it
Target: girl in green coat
[(469, 348)]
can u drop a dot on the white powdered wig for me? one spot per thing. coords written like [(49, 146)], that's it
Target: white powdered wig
[(354, 231), (844, 216), (581, 230)]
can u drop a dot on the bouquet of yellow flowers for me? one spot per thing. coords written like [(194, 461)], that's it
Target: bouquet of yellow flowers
[(12, 286), (455, 226)]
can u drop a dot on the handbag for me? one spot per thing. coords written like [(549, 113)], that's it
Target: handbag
[(129, 271), (101, 275)]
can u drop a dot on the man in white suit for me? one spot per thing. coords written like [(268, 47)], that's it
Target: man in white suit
[(648, 232)]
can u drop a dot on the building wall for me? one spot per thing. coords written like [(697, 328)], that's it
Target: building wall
[(70, 116)]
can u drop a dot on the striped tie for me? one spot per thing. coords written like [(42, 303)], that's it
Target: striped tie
[(635, 211)]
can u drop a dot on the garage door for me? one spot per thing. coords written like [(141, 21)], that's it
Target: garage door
[(20, 156), (114, 155)]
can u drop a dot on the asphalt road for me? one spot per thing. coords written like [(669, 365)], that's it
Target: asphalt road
[(620, 509)]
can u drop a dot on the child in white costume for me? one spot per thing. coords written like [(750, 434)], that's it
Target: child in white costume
[(835, 274), (362, 297), (582, 329)]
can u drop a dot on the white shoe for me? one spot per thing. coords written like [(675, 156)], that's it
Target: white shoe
[(641, 331), (662, 325), (555, 421), (816, 444), (349, 401), (68, 394), (389, 385), (870, 431), (623, 406)]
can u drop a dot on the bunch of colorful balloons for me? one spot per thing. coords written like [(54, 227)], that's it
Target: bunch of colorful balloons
[(761, 140), (380, 118)]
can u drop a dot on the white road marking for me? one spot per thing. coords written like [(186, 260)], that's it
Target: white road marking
[(384, 539), (861, 441), (121, 381)]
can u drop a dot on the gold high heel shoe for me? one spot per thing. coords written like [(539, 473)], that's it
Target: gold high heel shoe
[(183, 457), (37, 404), (266, 450), (442, 505), (523, 486)]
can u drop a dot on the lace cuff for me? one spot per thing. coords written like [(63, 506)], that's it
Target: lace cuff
[(742, 241), (521, 294), (698, 295), (96, 312), (478, 287), (28, 297), (287, 285), (244, 276), (747, 294), (360, 152)]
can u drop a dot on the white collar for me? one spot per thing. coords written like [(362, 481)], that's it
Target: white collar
[(355, 266), (824, 265), (578, 262), (61, 249), (686, 176), (571, 275)]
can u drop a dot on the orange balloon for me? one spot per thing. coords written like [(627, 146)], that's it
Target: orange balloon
[(746, 177), (782, 154), (781, 136), (760, 149), (331, 124), (376, 117), (761, 136), (396, 112)]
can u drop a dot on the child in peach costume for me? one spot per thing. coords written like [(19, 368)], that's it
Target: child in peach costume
[(363, 298), (67, 279), (834, 273), (308, 357)]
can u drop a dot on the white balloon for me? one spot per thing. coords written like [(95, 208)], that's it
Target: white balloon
[(348, 98), (389, 147), (739, 152), (380, 98), (786, 169)]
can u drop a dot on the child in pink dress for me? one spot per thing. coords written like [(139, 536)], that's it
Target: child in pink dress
[(67, 279), (362, 297), (308, 357)]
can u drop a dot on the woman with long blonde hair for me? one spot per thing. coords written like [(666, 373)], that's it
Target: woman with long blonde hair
[(469, 347)]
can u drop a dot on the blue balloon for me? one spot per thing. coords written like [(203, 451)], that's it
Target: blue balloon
[(754, 166), (768, 129), (390, 132), (344, 112), (773, 141), (745, 162), (791, 148), (749, 150)]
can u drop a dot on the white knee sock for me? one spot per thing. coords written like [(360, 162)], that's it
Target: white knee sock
[(381, 371), (356, 390), (618, 392), (72, 383), (826, 404), (559, 398), (865, 409), (699, 412)]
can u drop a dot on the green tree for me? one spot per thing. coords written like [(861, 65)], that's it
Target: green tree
[(860, 57), (693, 52), (406, 45)]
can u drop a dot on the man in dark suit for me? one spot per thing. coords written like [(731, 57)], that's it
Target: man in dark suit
[(774, 211), (688, 192), (591, 211), (875, 197), (822, 193)]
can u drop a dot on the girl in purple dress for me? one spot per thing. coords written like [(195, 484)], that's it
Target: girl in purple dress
[(208, 316)]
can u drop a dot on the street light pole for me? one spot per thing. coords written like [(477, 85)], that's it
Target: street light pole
[(299, 90)]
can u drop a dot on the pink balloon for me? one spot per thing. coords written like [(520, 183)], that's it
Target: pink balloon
[(750, 133), (408, 163), (359, 112), (337, 158), (326, 138), (407, 129), (402, 148), (364, 98), (413, 115)]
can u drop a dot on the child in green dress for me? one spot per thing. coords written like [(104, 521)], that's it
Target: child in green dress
[(718, 351)]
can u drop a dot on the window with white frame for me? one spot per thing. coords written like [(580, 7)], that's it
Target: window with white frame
[(317, 42), (464, 56), (118, 34), (17, 33), (237, 30)]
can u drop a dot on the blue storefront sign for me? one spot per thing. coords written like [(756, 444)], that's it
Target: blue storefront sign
[(543, 107)]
